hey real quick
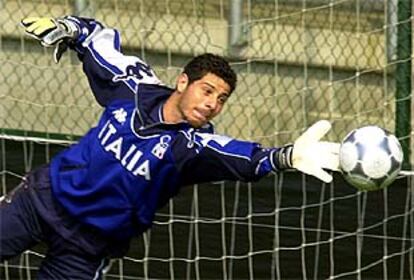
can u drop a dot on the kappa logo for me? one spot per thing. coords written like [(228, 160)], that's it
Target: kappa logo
[(120, 115), (134, 71)]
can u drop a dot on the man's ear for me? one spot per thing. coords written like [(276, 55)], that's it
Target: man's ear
[(182, 82)]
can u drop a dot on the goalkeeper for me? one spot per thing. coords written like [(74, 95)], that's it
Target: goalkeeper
[(97, 194)]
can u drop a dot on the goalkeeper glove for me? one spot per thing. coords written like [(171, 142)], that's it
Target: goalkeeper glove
[(310, 155), (51, 32)]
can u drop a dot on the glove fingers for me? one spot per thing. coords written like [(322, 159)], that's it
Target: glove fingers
[(317, 172), (324, 176), (321, 175), (40, 30), (330, 161), (316, 131), (330, 157), (311, 155), (29, 20), (332, 147), (41, 27)]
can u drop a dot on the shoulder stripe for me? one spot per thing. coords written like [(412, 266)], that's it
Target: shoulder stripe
[(111, 68)]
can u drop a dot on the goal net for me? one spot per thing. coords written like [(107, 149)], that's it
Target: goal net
[(297, 61)]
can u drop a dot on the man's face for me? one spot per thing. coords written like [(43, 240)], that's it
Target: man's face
[(203, 99)]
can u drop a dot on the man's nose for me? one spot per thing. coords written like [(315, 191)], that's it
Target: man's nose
[(211, 102)]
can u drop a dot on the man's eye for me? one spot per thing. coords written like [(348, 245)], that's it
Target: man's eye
[(222, 99)]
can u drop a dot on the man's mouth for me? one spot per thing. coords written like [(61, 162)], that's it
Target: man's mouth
[(201, 115)]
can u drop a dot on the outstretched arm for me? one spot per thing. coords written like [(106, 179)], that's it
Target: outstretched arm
[(216, 157), (111, 74)]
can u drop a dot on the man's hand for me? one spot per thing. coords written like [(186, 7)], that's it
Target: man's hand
[(310, 155), (51, 32)]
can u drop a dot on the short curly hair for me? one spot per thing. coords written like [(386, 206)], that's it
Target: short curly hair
[(206, 63)]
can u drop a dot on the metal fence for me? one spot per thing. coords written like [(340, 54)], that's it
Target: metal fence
[(297, 61)]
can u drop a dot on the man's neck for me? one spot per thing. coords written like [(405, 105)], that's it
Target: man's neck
[(171, 112)]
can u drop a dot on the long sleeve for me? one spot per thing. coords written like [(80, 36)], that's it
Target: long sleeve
[(111, 74), (203, 157)]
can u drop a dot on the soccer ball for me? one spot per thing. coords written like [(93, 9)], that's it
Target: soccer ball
[(370, 158)]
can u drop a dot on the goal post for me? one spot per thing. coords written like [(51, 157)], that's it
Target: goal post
[(297, 61), (403, 76)]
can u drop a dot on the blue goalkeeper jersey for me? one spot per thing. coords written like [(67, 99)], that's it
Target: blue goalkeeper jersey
[(132, 162)]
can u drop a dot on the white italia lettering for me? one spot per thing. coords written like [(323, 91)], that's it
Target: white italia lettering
[(129, 159), (103, 129), (111, 131), (143, 170), (126, 156), (115, 147), (134, 161)]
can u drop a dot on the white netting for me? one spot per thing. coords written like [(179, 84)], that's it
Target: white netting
[(298, 61)]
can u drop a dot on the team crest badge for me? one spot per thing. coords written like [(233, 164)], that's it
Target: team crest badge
[(161, 147)]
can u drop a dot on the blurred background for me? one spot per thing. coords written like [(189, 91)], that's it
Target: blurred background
[(298, 61)]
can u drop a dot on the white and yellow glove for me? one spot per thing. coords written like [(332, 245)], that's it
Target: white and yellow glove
[(310, 155), (51, 32)]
